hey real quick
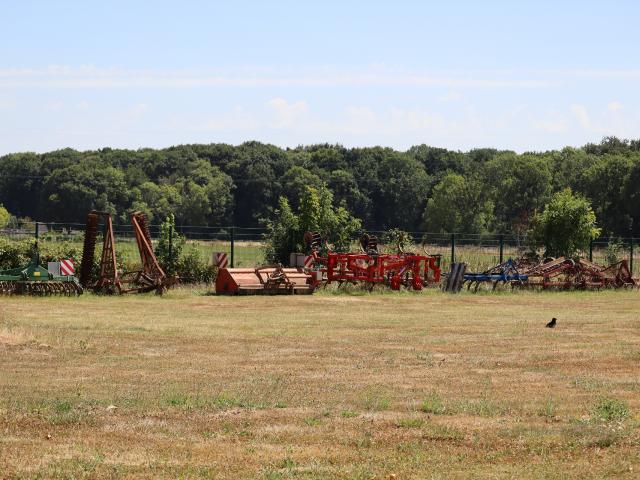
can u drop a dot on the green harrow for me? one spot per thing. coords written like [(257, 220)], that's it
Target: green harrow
[(35, 280)]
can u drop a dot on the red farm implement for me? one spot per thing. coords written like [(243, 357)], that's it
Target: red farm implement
[(150, 277), (371, 268), (263, 281), (581, 274)]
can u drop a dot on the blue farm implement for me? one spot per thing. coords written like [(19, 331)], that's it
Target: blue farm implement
[(505, 273)]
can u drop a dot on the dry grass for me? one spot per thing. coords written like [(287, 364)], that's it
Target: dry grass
[(328, 386)]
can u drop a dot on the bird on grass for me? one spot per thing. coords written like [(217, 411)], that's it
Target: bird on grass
[(552, 323)]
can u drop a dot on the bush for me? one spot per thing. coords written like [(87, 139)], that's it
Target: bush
[(169, 258), (566, 226), (396, 239), (192, 267), (316, 213)]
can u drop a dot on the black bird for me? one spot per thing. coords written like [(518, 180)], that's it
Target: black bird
[(552, 323)]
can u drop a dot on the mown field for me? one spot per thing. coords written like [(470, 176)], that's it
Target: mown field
[(344, 386)]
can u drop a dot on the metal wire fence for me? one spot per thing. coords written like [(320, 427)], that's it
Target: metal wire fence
[(245, 247)]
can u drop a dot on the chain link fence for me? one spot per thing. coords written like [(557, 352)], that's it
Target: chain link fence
[(245, 246)]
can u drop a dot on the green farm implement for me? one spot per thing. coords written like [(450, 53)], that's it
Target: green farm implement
[(36, 280)]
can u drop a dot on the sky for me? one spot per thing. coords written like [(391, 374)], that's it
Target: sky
[(521, 75)]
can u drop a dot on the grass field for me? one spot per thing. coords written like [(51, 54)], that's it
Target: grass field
[(326, 386)]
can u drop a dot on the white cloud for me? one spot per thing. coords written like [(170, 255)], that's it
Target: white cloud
[(451, 96), (237, 120), (54, 105), (137, 110), (615, 106), (102, 78), (582, 115), (286, 114)]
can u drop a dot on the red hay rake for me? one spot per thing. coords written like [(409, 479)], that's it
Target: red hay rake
[(565, 273), (371, 268)]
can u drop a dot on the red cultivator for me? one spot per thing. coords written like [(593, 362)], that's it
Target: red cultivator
[(579, 274), (372, 268), (149, 278)]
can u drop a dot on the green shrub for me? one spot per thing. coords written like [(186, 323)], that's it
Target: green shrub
[(610, 410), (192, 267)]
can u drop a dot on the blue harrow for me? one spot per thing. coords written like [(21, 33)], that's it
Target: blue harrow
[(506, 272)]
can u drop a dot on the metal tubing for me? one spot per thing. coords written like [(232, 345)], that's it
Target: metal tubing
[(453, 248), (232, 238)]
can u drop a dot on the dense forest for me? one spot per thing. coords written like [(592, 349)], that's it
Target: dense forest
[(422, 189)]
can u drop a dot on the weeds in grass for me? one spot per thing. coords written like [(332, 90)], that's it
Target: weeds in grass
[(482, 407), (610, 410), (548, 409), (287, 463), (410, 423), (218, 402), (313, 421), (348, 414), (433, 404), (374, 400), (442, 433)]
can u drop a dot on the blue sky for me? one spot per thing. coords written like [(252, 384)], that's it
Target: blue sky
[(528, 75)]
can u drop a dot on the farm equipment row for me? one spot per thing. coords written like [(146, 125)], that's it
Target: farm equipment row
[(368, 267)]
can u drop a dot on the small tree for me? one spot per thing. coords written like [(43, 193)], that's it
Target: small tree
[(316, 213), (281, 233), (397, 239), (566, 226), (168, 258), (4, 216)]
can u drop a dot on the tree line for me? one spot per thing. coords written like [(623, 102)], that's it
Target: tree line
[(422, 189)]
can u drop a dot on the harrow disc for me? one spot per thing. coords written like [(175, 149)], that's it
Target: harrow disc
[(40, 288)]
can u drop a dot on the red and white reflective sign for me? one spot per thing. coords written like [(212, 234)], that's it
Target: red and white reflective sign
[(308, 261), (67, 267), (221, 259)]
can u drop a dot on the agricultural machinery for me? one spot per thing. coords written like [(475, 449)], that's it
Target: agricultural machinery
[(271, 280), (560, 273), (36, 280), (579, 274), (151, 277), (371, 267), (506, 272)]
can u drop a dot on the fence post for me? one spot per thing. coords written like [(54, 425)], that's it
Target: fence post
[(37, 235), (453, 248), (232, 238), (591, 250), (171, 249), (501, 248), (631, 257)]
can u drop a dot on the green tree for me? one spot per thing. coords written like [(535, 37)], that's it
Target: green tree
[(170, 246), (5, 216), (295, 183), (605, 184), (566, 226), (316, 213), (282, 230), (520, 185), (458, 205)]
